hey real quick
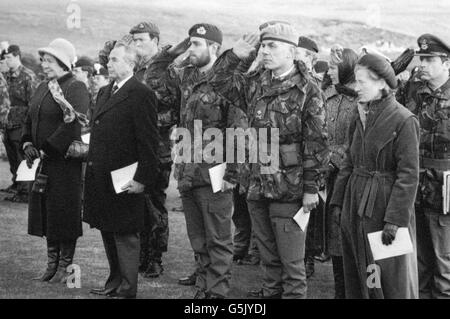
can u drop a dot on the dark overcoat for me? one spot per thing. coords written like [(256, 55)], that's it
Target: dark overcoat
[(376, 185), (124, 131), (57, 213)]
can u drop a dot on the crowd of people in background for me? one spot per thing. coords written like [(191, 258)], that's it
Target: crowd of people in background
[(363, 147)]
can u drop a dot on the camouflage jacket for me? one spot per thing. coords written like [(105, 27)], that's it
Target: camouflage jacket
[(341, 109), (4, 101), (167, 113), (295, 106), (433, 111), (187, 93), (21, 85)]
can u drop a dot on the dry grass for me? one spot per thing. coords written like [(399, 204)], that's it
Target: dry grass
[(22, 257)]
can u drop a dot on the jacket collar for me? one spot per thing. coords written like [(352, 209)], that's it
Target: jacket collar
[(107, 102)]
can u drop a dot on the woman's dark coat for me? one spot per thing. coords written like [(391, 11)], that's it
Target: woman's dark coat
[(376, 185), (57, 213)]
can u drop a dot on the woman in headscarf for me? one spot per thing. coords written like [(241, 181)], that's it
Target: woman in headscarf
[(54, 121), (342, 108), (376, 186)]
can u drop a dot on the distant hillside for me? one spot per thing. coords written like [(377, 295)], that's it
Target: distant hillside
[(33, 24)]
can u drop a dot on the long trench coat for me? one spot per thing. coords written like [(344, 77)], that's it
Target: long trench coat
[(377, 185), (57, 213)]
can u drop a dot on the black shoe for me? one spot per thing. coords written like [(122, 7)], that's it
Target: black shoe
[(101, 291), (259, 294), (11, 189), (17, 198), (189, 280), (210, 295), (200, 294), (154, 270), (115, 295)]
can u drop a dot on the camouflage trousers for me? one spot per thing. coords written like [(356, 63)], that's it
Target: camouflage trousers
[(155, 237)]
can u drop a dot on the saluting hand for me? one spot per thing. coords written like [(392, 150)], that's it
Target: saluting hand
[(246, 45), (133, 187), (180, 48)]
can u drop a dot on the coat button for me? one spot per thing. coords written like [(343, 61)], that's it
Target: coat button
[(97, 122), (89, 163)]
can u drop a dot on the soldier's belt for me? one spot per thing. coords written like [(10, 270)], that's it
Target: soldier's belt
[(435, 163)]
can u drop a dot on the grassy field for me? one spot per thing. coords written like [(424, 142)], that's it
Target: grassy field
[(22, 257), (33, 24)]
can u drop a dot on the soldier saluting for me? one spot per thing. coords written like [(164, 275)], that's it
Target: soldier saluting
[(430, 100)]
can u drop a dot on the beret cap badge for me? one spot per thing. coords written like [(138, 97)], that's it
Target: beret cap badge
[(201, 30), (424, 44)]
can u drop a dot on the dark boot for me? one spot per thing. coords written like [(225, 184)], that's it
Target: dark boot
[(52, 263), (144, 254), (65, 259), (338, 273), (154, 270)]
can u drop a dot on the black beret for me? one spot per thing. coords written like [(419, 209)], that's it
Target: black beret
[(321, 66), (2, 55), (84, 61), (308, 44), (431, 45), (146, 27), (380, 67), (13, 49), (206, 31)]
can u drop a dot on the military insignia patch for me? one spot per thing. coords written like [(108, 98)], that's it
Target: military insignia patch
[(141, 26), (201, 30), (424, 44)]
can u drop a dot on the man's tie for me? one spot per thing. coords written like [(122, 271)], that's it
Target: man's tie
[(114, 89)]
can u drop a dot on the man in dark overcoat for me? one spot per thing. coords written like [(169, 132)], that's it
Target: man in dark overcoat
[(124, 131)]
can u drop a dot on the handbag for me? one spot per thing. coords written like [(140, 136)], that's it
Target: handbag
[(77, 150)]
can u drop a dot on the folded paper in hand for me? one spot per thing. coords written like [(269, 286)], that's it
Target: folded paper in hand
[(302, 219), (86, 138), (122, 176), (25, 174), (401, 245), (216, 175)]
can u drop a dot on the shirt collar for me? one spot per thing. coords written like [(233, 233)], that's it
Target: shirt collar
[(281, 76), (121, 83)]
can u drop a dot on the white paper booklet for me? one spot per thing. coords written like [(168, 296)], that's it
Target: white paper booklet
[(216, 174), (401, 245), (122, 176), (25, 174), (86, 138), (302, 219)]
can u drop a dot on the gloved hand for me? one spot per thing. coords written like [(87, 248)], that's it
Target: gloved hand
[(388, 234), (180, 48), (246, 45), (31, 153)]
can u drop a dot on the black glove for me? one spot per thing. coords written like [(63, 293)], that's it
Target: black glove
[(388, 234), (31, 153), (180, 48)]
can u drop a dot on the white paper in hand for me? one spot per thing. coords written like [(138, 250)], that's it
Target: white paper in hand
[(401, 245), (216, 174), (25, 174), (122, 176), (86, 138), (302, 219)]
